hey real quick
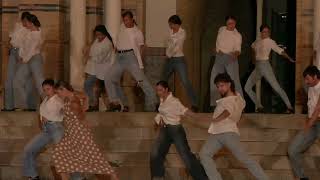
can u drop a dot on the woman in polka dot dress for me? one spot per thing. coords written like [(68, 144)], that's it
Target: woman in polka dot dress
[(77, 151)]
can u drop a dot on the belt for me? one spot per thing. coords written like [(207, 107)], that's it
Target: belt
[(125, 51)]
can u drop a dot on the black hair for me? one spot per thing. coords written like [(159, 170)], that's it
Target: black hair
[(34, 20), (311, 71), (163, 84), (225, 78), (230, 17), (49, 82), (175, 19), (102, 29), (127, 13), (63, 84), (24, 15), (263, 26)]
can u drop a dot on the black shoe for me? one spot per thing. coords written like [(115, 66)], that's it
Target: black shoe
[(114, 108), (34, 178), (7, 110), (125, 109), (289, 111), (304, 178), (93, 109), (260, 110), (194, 109), (30, 110)]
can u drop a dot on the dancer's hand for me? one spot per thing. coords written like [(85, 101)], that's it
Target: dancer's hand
[(292, 60), (307, 125)]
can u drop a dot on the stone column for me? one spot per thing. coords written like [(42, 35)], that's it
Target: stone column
[(259, 23), (316, 28), (112, 16), (77, 42)]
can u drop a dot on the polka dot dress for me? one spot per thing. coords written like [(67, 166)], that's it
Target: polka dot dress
[(77, 151)]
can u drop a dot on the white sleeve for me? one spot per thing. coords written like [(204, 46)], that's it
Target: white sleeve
[(140, 38), (178, 44), (33, 41), (275, 47), (180, 108)]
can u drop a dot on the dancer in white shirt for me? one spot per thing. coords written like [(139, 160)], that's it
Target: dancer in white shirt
[(262, 48), (311, 130), (171, 131), (228, 49), (16, 39), (130, 44), (99, 62), (176, 60), (30, 56), (224, 131)]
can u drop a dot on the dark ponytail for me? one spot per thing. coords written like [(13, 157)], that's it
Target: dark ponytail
[(102, 29)]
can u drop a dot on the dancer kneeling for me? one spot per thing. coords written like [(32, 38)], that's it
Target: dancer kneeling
[(171, 131), (224, 131), (77, 151)]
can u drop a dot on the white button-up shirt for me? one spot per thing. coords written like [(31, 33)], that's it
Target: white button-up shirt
[(234, 105), (100, 58), (131, 38), (228, 41), (313, 97), (31, 45), (170, 110), (51, 108), (263, 47), (17, 35), (175, 43)]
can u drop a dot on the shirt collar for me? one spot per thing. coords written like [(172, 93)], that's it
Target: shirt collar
[(168, 98)]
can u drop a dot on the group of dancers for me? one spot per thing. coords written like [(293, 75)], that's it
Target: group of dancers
[(62, 110)]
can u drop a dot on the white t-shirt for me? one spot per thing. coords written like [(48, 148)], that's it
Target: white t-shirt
[(170, 110), (17, 35), (234, 105), (51, 109), (228, 41), (313, 97), (175, 43), (31, 45), (263, 47), (131, 38), (100, 58)]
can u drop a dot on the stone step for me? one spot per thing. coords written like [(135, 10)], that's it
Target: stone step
[(223, 159), (143, 173), (143, 119)]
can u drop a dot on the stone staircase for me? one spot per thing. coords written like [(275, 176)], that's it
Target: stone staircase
[(127, 138)]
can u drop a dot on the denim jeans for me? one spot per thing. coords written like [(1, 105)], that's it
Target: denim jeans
[(33, 67), (301, 142), (9, 97), (264, 69), (232, 142), (174, 134), (224, 63), (178, 64), (88, 88), (128, 62), (52, 132)]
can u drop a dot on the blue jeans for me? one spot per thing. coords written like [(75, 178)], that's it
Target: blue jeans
[(52, 132), (224, 64), (8, 89), (128, 62), (178, 64), (88, 88), (232, 142), (174, 134), (33, 67), (301, 142), (264, 69)]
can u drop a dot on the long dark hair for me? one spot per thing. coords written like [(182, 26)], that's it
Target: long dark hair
[(34, 20), (224, 77), (63, 84), (102, 29)]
